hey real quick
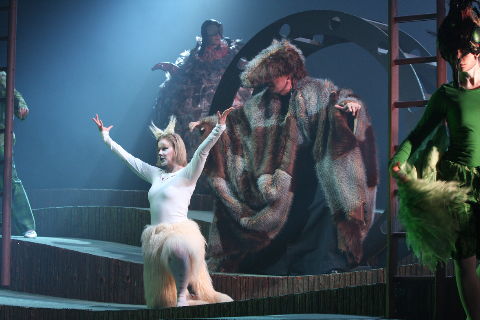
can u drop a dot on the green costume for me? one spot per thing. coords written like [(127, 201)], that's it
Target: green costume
[(22, 216), (461, 109), (460, 164)]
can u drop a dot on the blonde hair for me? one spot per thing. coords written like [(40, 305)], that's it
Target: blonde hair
[(175, 140)]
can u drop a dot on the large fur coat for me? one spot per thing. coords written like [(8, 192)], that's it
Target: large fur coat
[(251, 170)]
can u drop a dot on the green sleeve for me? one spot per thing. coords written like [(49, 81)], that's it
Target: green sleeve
[(19, 103), (434, 113)]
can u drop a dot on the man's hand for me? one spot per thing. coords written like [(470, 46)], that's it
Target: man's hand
[(166, 66), (350, 106), (192, 125)]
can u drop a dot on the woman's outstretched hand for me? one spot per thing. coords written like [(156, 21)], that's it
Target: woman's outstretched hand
[(99, 124), (222, 117)]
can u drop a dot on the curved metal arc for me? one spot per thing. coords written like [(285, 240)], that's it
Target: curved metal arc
[(336, 28)]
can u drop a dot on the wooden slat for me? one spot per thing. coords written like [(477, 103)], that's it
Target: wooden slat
[(393, 96), (408, 104), (417, 17), (57, 272), (399, 62), (399, 234), (413, 277), (114, 224)]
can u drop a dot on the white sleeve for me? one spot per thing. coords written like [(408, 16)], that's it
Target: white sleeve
[(194, 168), (140, 168)]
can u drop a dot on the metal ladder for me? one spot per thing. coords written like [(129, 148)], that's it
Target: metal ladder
[(393, 236), (11, 8)]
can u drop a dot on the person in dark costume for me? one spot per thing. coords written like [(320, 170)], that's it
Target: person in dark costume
[(22, 216), (438, 174), (295, 176), (192, 80)]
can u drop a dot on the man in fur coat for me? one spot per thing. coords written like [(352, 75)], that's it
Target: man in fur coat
[(294, 177)]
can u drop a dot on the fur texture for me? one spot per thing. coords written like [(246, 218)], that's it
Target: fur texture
[(279, 59), (188, 93), (157, 243), (431, 211), (347, 170), (251, 170)]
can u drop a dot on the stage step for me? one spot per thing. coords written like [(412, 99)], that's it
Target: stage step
[(114, 224), (111, 272), (365, 300), (44, 198), (77, 269), (30, 300), (353, 301), (108, 272), (104, 264)]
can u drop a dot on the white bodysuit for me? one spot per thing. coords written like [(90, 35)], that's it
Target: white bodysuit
[(170, 193)]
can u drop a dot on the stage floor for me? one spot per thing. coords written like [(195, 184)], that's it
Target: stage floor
[(29, 300), (104, 248), (308, 316), (15, 302), (107, 249)]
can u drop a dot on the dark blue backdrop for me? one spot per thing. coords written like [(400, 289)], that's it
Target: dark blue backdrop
[(78, 58)]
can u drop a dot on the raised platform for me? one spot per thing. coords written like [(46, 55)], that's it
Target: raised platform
[(100, 271), (87, 264), (112, 272), (40, 307)]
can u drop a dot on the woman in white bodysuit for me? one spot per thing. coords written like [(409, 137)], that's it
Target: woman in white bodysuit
[(173, 247)]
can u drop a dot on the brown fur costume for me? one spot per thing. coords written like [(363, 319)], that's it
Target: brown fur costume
[(251, 167), (157, 243)]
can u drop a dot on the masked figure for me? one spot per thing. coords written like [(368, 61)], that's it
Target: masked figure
[(192, 80)]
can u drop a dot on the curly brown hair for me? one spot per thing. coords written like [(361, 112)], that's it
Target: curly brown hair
[(281, 58)]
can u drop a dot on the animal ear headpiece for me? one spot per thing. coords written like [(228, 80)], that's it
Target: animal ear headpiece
[(169, 130)]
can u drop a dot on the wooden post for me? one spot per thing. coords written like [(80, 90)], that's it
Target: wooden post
[(8, 145)]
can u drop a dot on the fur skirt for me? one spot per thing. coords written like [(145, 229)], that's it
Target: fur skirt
[(158, 241), (436, 214)]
